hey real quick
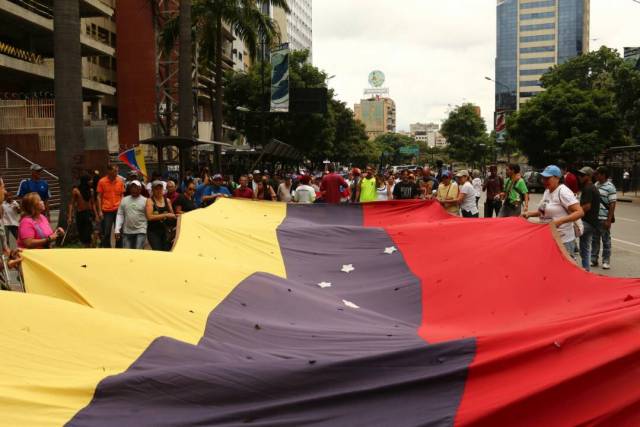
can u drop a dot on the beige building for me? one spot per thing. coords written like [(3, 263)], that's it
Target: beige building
[(378, 116), (533, 36)]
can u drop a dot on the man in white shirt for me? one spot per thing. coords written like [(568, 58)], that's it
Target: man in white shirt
[(132, 218), (304, 193)]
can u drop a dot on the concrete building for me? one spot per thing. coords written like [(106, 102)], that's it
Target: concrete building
[(296, 27), (27, 101), (378, 116), (427, 133), (532, 36)]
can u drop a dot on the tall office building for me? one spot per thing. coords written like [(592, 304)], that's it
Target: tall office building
[(534, 35), (297, 26)]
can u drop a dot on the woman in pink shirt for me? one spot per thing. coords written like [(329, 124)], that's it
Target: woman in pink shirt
[(34, 231)]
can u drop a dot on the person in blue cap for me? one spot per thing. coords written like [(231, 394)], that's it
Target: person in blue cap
[(559, 206)]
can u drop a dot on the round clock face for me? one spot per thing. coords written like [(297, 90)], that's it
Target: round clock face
[(376, 78)]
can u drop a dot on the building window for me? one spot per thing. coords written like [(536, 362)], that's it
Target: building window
[(535, 4), (540, 15), (530, 83), (528, 94), (537, 49), (544, 37), (534, 72), (543, 60), (536, 27)]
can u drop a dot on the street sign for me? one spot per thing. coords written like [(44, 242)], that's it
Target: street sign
[(410, 150)]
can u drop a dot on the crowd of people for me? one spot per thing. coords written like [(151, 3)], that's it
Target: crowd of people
[(134, 212)]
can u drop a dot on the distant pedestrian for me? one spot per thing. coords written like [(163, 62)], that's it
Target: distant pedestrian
[(172, 193), (493, 185), (243, 191), (214, 191), (448, 193), (332, 186), (36, 184), (186, 203), (160, 218), (383, 189), (569, 179), (367, 187), (34, 231), (515, 194), (354, 183), (131, 222), (11, 214), (590, 202), (558, 206), (467, 196), (626, 182), (285, 189), (82, 205), (265, 191), (606, 217), (406, 189), (304, 193), (477, 185), (110, 193)]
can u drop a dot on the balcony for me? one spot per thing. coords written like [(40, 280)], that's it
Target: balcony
[(88, 8), (29, 27)]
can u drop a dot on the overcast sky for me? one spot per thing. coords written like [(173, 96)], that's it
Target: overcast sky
[(433, 53)]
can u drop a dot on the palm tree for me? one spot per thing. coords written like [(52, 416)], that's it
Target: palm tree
[(185, 69), (247, 21), (69, 136)]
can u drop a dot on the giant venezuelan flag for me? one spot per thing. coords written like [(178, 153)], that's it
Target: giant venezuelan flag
[(435, 320)]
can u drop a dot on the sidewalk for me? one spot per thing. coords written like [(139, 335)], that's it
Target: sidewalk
[(631, 197)]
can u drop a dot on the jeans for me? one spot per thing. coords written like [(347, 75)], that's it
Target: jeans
[(108, 222), (158, 239), (133, 241), (585, 245), (604, 234), (491, 207), (508, 210), (570, 247)]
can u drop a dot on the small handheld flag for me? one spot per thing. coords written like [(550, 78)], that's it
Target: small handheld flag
[(134, 158)]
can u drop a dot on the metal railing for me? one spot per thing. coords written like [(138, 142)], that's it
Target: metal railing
[(36, 7), (8, 150)]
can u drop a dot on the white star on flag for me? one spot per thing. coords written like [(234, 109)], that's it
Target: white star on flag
[(347, 268), (324, 285), (390, 250), (349, 304)]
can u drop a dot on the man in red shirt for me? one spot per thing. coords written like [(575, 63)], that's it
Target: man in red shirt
[(330, 186), (570, 180), (243, 192)]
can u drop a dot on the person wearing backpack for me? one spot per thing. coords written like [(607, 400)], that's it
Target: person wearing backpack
[(515, 194)]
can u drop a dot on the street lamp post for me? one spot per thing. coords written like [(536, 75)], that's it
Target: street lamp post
[(499, 83)]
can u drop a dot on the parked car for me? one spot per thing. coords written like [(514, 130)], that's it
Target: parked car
[(533, 180)]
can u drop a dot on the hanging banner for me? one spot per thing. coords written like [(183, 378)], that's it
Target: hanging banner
[(280, 79)]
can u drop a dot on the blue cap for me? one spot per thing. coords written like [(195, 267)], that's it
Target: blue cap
[(446, 174), (551, 170)]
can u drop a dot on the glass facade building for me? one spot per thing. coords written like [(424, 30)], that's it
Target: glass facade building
[(533, 36)]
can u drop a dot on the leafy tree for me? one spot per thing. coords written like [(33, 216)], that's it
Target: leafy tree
[(590, 104), (466, 134), (334, 135), (209, 18), (391, 143)]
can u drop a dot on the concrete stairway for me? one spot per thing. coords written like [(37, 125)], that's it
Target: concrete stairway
[(19, 170)]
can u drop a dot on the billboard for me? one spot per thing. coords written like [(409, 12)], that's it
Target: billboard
[(280, 79), (501, 126)]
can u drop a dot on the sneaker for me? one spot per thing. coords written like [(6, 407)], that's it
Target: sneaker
[(606, 266), (594, 263)]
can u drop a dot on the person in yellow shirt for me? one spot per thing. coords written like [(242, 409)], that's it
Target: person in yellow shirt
[(367, 187), (447, 195)]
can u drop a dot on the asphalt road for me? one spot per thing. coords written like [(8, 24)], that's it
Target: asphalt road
[(625, 240)]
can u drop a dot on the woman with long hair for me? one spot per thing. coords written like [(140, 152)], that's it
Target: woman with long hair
[(383, 189), (161, 218), (82, 204), (35, 231)]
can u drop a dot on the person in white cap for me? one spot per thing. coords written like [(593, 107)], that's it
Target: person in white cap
[(36, 184), (131, 221), (467, 196)]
